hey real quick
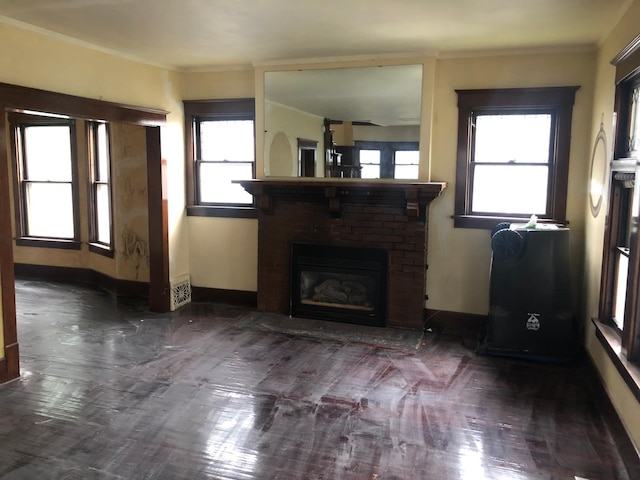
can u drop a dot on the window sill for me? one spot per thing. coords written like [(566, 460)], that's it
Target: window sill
[(221, 211), (487, 223), (610, 340), (101, 249), (48, 243)]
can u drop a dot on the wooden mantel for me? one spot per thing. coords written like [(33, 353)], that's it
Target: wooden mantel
[(384, 214), (413, 196)]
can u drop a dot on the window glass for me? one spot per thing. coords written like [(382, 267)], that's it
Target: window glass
[(620, 294), (100, 231), (499, 189), (634, 130), (49, 209), (407, 164), (103, 214), (230, 141), (102, 140), (512, 138), (48, 153), (216, 185), (370, 163), (46, 179)]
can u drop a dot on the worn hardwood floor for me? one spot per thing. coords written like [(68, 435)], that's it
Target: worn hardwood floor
[(111, 391)]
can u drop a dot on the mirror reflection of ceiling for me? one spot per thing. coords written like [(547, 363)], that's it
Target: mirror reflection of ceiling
[(185, 34), (385, 96)]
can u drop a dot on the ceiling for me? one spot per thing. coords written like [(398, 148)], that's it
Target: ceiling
[(199, 34)]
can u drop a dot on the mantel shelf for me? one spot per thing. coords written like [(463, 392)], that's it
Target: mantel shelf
[(413, 196)]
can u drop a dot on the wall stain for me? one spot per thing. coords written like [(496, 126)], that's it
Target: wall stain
[(135, 249)]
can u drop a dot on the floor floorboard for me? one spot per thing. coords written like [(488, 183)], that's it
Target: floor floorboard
[(109, 390)]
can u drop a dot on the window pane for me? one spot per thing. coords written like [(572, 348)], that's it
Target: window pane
[(407, 164), (48, 153), (102, 175), (227, 140), (510, 189), (512, 138), (634, 127), (370, 163), (103, 214), (216, 186), (620, 294), (49, 210)]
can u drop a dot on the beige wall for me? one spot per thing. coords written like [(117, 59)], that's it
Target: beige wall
[(624, 401), (222, 253), (459, 259), (34, 60), (288, 124)]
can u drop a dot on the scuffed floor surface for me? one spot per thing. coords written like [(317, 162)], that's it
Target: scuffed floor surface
[(111, 391)]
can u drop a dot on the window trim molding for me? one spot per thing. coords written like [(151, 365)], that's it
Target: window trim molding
[(241, 108), (16, 121), (95, 246), (558, 100)]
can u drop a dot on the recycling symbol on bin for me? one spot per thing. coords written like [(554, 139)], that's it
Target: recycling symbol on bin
[(532, 322)]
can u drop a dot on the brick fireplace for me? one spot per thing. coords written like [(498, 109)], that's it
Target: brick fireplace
[(389, 215)]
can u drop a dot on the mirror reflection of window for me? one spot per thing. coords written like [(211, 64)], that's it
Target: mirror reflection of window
[(370, 163), (407, 164), (634, 140)]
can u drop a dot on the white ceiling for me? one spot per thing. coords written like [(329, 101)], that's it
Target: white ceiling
[(195, 34)]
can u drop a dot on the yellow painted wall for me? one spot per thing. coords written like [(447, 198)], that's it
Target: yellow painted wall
[(624, 401), (459, 259), (291, 124), (222, 253), (35, 60)]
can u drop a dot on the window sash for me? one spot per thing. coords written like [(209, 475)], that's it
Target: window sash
[(215, 182), (496, 189), (46, 195), (101, 219), (48, 209), (205, 196), (557, 102)]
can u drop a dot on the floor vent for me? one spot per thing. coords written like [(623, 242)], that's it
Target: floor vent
[(180, 292)]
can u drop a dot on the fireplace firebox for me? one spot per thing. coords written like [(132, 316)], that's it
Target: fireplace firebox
[(339, 283)]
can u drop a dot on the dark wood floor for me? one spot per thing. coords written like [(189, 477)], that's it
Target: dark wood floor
[(112, 391)]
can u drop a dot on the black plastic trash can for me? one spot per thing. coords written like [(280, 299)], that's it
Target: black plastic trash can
[(530, 307)]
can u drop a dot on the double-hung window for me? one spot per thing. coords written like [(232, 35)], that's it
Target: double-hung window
[(389, 159), (100, 229), (620, 281), (513, 155), (220, 150), (46, 197)]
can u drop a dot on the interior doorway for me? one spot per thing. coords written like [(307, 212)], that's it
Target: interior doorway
[(307, 157)]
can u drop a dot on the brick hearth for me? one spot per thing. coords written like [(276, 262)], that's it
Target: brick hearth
[(383, 214)]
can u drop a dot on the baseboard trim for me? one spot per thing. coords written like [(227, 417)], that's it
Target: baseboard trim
[(455, 321), (240, 298), (125, 288)]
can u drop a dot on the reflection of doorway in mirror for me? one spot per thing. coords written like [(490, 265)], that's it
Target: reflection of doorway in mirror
[(281, 158), (307, 157)]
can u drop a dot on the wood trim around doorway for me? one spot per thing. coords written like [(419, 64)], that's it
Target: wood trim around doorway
[(16, 98)]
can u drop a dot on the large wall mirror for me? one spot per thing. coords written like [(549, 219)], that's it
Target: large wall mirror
[(358, 122)]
